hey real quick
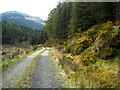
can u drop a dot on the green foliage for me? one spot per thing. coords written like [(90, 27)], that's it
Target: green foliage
[(87, 50), (82, 44), (84, 15), (66, 62), (68, 19), (102, 39), (107, 40), (58, 20), (106, 52), (15, 34), (69, 48), (54, 42)]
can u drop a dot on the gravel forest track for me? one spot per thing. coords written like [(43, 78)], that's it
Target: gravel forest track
[(11, 76), (45, 73)]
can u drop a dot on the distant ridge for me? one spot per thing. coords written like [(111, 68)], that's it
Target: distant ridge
[(23, 19)]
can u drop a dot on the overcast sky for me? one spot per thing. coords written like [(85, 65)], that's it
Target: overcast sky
[(39, 8)]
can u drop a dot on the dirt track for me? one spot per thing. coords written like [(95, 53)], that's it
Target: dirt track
[(12, 75), (45, 73)]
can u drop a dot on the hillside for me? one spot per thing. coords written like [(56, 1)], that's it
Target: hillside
[(86, 44), (23, 19), (80, 47), (21, 36), (90, 59)]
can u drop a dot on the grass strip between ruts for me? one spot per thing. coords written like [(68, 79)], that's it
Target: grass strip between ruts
[(26, 79)]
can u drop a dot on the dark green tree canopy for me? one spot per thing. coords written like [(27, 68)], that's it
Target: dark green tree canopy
[(12, 33), (71, 18)]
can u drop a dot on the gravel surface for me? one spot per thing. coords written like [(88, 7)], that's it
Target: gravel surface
[(13, 74), (44, 75)]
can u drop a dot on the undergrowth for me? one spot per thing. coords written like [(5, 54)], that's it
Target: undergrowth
[(12, 55), (90, 58)]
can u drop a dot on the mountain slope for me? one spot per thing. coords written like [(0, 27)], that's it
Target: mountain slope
[(23, 19)]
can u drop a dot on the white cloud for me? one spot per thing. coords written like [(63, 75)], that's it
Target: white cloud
[(39, 8)]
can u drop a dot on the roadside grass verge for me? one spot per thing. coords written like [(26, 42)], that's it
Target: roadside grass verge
[(62, 75), (59, 74), (26, 79), (10, 62), (102, 74)]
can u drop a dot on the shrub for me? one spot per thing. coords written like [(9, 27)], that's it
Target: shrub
[(117, 22), (107, 26), (88, 58), (79, 34), (105, 53), (65, 43), (69, 48), (108, 41), (82, 44), (59, 47), (66, 62)]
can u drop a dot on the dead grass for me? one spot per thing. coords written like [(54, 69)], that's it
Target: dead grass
[(12, 54)]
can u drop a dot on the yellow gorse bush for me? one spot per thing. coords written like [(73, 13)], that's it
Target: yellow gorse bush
[(117, 22), (68, 55), (79, 34), (65, 43), (103, 32), (114, 33), (107, 25), (82, 44), (89, 56), (69, 47), (84, 39)]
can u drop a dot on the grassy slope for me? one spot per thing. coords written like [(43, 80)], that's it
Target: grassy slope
[(14, 54), (90, 59)]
